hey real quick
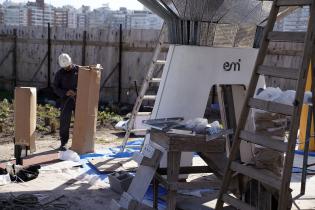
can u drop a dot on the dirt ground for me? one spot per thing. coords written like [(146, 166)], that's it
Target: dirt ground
[(105, 137), (74, 188)]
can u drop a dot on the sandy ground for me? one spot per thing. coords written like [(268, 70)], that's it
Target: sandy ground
[(82, 191), (105, 137)]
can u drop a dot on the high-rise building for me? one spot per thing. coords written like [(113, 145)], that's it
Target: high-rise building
[(40, 14), (119, 17), (61, 17), (140, 19), (37, 13), (72, 17), (1, 14), (82, 17), (14, 14), (100, 17)]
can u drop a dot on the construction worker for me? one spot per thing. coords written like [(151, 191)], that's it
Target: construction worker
[(65, 86)]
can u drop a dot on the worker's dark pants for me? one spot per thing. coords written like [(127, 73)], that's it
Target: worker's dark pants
[(65, 119)]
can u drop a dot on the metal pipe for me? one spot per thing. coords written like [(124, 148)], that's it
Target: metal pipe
[(83, 48), (119, 64), (48, 56), (14, 59), (165, 13), (159, 9)]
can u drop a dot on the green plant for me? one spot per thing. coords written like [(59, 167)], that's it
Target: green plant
[(105, 117), (5, 108), (47, 118), (6, 116)]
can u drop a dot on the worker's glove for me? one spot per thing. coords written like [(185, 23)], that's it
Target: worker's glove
[(71, 93)]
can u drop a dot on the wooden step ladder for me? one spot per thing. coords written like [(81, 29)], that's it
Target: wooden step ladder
[(281, 183), (145, 86)]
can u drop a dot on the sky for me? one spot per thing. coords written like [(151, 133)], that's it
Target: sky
[(113, 4)]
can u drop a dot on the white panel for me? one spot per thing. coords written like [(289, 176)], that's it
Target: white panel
[(189, 74)]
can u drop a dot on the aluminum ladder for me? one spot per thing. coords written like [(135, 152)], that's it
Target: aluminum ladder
[(148, 79)]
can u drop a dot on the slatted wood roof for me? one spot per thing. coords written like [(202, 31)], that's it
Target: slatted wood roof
[(221, 11)]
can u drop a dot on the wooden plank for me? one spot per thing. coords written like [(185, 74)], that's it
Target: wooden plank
[(216, 146), (141, 182), (236, 203), (110, 165), (287, 73), (262, 175), (288, 52), (195, 185), (294, 2), (286, 36), (173, 165), (186, 142), (188, 170), (270, 106), (265, 141)]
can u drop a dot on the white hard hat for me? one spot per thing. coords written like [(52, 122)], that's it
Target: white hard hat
[(64, 60)]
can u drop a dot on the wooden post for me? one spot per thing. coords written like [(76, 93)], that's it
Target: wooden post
[(14, 58), (83, 48), (119, 63), (48, 55)]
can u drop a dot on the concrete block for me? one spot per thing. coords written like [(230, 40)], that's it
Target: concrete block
[(120, 181)]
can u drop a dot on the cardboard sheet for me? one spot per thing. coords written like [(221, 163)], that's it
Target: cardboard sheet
[(25, 116), (86, 110)]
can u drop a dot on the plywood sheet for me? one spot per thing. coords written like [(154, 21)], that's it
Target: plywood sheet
[(110, 164)]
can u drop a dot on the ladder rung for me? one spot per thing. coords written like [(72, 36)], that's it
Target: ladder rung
[(149, 97), (160, 62), (139, 130), (155, 80), (294, 2), (133, 146), (287, 73), (262, 175), (143, 113), (270, 106), (287, 36), (236, 202), (264, 141)]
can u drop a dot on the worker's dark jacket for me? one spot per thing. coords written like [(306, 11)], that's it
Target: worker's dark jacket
[(66, 80)]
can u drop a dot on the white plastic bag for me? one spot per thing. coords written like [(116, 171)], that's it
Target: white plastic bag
[(214, 128), (270, 94), (122, 125), (308, 97), (197, 125), (5, 179), (69, 155), (287, 97)]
